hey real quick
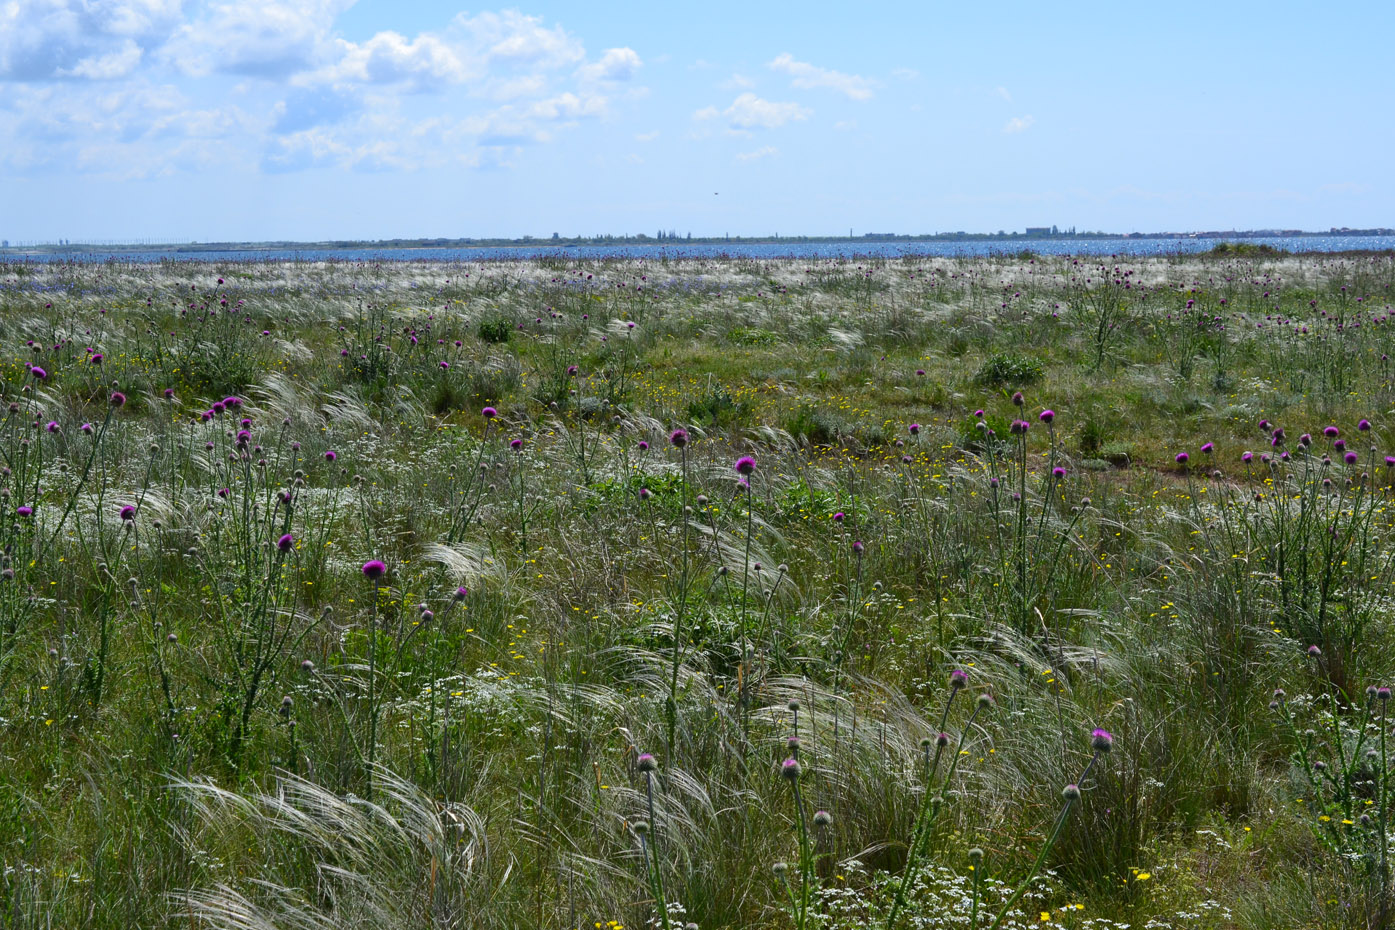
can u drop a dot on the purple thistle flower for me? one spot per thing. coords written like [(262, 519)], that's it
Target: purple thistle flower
[(1246, 456), (978, 414), (285, 542), (1264, 425), (1058, 472), (857, 547), (646, 762), (1278, 433), (515, 444), (643, 446), (218, 407), (914, 428), (1305, 440), (1208, 448), (1339, 444), (1364, 425), (958, 679), (96, 358), (489, 413), (1390, 461), (572, 371), (117, 398), (839, 517), (331, 455), (52, 426), (444, 364), (745, 465), (128, 513), (1330, 432), (678, 438), (1350, 458), (38, 373), (374, 569), (1046, 416), (88, 428), (644, 494), (169, 393), (461, 593), (790, 769), (1019, 427), (1017, 399), (1101, 740), (1314, 652), (920, 372), (24, 511), (1182, 458)]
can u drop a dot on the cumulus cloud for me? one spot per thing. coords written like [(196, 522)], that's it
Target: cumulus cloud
[(617, 64), (807, 76), (165, 83), (751, 112), (44, 40), (1018, 124), (257, 38)]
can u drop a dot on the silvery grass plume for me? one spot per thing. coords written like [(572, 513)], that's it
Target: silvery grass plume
[(404, 861)]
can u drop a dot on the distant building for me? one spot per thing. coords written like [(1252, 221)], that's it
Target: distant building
[(1041, 230)]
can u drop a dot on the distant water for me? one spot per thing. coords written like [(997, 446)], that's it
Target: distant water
[(849, 248)]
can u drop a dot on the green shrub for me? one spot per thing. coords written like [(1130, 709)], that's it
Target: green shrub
[(1006, 368)]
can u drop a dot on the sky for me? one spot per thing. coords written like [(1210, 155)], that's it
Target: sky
[(255, 120)]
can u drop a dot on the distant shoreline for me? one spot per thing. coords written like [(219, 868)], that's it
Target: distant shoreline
[(404, 245)]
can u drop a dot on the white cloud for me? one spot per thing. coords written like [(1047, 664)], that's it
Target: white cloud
[(146, 84), (846, 125), (1003, 92), (258, 38), (737, 82), (79, 39), (765, 151), (751, 112), (807, 76), (647, 136), (112, 65), (1018, 124), (568, 106), (617, 64)]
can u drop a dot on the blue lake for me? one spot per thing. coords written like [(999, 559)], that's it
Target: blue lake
[(850, 248)]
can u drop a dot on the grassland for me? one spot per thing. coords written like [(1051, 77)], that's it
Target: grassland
[(569, 697)]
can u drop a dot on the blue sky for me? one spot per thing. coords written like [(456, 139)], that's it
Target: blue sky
[(265, 119)]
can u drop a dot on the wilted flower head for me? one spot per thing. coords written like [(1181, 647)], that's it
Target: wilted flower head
[(958, 679), (1071, 792), (1017, 399)]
